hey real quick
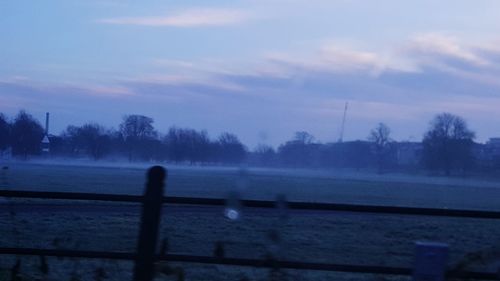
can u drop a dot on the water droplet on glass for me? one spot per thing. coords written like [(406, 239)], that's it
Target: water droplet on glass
[(233, 206), (232, 214)]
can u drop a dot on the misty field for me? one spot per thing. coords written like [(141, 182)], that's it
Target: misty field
[(307, 236)]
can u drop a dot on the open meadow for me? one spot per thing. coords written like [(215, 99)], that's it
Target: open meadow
[(306, 236)]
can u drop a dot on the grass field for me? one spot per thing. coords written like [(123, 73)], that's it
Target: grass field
[(311, 236), (299, 185)]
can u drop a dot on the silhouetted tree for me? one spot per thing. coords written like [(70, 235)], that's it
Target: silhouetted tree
[(447, 145), (265, 155), (137, 132), (200, 147), (188, 145), (231, 150), (4, 133), (91, 138), (96, 139), (177, 144), (137, 126), (380, 137), (153, 150), (27, 134), (71, 145), (303, 137)]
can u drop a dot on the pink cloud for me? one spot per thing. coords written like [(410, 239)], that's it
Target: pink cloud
[(187, 18)]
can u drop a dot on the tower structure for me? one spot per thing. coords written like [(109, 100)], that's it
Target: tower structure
[(45, 140)]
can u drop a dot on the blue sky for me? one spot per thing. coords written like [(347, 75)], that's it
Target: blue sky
[(262, 69)]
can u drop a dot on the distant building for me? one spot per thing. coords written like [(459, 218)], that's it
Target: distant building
[(492, 149), (45, 144), (488, 154)]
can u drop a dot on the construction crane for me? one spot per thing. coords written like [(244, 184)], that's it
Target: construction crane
[(341, 138)]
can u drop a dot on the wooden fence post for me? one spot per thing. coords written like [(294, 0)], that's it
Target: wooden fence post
[(150, 223)]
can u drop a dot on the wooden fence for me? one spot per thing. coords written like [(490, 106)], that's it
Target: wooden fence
[(426, 268)]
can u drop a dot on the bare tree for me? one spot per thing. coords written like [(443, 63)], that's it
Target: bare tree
[(137, 127), (304, 137), (27, 135), (231, 150), (380, 136), (91, 139), (4, 133), (448, 144), (265, 155), (137, 132), (187, 145)]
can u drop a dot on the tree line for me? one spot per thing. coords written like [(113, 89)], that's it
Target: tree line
[(136, 139), (447, 146)]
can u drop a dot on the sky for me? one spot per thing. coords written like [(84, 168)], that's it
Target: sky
[(262, 69)]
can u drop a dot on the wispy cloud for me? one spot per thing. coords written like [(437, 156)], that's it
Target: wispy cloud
[(186, 18), (438, 47), (81, 89), (109, 91), (187, 81), (429, 64), (332, 59)]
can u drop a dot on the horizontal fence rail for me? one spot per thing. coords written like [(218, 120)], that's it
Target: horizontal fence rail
[(347, 268), (71, 196), (308, 206)]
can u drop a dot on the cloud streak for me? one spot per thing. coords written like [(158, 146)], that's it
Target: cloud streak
[(433, 47), (187, 18)]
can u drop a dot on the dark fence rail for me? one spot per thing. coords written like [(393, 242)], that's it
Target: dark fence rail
[(308, 206), (71, 196), (153, 199)]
